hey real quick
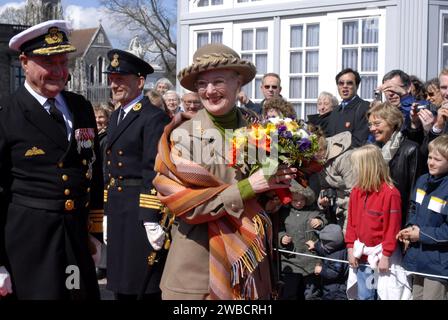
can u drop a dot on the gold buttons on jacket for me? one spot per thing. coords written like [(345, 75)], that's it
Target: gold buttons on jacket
[(64, 177), (108, 162), (60, 164), (67, 192), (120, 164), (88, 189), (108, 151), (120, 178), (87, 204), (120, 152), (120, 189), (69, 205), (88, 175), (84, 162)]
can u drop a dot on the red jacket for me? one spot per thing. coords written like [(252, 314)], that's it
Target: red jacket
[(374, 218)]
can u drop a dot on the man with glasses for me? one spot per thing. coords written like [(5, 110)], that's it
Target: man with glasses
[(271, 88), (191, 102), (350, 115)]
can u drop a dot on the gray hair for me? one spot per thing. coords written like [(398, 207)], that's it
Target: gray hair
[(164, 81), (331, 97), (171, 92)]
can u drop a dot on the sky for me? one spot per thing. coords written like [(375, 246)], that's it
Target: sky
[(87, 14)]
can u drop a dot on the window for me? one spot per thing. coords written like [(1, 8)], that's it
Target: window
[(91, 74), (206, 3), (304, 68), (360, 42), (100, 38), (206, 37), (445, 42), (254, 47), (18, 77), (100, 70)]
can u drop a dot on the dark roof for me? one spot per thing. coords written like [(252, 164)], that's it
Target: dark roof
[(81, 39)]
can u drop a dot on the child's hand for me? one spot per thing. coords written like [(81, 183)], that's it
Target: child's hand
[(383, 265), (352, 261), (317, 269), (315, 223), (403, 234), (310, 244), (286, 240)]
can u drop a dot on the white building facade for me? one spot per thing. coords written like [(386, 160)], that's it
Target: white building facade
[(307, 42)]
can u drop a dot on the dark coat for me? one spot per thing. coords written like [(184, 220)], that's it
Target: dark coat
[(405, 168), (41, 175), (334, 274), (352, 118), (428, 211), (295, 223), (320, 121), (131, 197)]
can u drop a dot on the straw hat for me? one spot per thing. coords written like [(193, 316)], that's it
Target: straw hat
[(215, 56)]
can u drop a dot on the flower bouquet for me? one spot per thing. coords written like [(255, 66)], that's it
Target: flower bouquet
[(273, 142)]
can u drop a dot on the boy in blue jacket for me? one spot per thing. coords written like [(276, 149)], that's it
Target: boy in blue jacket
[(333, 274), (426, 232)]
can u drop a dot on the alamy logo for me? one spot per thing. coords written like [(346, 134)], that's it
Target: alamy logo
[(73, 278)]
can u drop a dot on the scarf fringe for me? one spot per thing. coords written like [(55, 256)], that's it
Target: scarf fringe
[(242, 280)]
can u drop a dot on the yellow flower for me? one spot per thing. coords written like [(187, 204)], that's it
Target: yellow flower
[(292, 126)]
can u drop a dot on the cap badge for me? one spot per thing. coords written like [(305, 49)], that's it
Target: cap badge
[(114, 63), (137, 107), (54, 36)]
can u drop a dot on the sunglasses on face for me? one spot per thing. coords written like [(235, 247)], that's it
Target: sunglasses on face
[(267, 87), (343, 83)]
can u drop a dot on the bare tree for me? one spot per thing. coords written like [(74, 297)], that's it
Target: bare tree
[(153, 21), (13, 15)]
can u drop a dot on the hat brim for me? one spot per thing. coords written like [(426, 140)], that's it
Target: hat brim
[(188, 79)]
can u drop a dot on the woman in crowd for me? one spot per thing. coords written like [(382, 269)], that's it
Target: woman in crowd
[(215, 204), (401, 154)]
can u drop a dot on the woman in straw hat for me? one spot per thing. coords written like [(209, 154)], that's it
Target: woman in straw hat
[(222, 239)]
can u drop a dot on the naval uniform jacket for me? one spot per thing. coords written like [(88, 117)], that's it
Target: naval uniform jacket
[(47, 187), (130, 196)]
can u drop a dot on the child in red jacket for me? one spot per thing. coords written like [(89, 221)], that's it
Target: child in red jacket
[(374, 218)]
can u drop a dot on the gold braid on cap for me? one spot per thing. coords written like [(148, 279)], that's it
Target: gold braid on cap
[(208, 61)]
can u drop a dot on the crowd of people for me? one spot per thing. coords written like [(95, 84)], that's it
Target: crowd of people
[(372, 224)]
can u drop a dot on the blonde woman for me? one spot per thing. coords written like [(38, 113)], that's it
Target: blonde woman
[(374, 218)]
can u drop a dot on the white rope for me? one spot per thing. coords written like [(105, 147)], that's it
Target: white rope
[(345, 261)]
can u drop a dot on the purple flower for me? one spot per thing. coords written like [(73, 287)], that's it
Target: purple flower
[(286, 134), (304, 144), (281, 129)]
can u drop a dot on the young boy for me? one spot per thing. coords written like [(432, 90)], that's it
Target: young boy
[(333, 274), (298, 225), (426, 231)]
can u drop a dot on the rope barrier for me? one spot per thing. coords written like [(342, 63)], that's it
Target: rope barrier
[(345, 261)]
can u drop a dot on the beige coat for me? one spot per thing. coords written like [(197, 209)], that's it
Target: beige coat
[(186, 273), (337, 173)]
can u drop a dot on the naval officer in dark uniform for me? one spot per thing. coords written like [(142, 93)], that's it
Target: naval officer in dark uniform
[(132, 208), (49, 179)]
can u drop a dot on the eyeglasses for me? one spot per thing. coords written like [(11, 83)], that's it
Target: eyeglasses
[(192, 102), (219, 83), (375, 124), (343, 83), (267, 87)]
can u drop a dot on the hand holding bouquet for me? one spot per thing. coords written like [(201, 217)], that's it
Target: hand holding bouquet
[(275, 142)]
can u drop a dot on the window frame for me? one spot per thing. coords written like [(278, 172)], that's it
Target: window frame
[(237, 46), (285, 70)]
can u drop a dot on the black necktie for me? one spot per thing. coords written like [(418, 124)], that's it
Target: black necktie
[(121, 115), (57, 115)]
